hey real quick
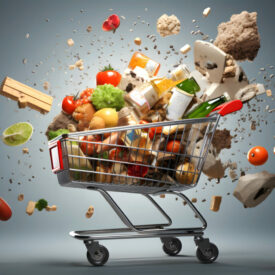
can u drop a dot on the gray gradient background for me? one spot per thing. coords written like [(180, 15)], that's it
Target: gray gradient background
[(40, 243)]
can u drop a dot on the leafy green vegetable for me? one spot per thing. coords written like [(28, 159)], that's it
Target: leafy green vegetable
[(41, 204), (54, 134), (107, 96)]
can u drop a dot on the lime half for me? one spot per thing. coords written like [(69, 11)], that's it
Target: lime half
[(17, 134)]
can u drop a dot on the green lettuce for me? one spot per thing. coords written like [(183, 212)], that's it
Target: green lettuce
[(54, 134), (107, 96)]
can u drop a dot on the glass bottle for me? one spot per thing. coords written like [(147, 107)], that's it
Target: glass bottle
[(165, 84), (189, 85), (205, 108), (141, 60)]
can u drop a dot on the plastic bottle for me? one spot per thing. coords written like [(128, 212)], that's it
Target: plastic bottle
[(142, 98), (141, 60), (165, 84)]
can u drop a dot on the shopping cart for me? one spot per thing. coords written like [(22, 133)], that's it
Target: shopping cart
[(136, 159)]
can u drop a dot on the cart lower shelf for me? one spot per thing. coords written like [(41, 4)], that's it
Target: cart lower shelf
[(98, 255)]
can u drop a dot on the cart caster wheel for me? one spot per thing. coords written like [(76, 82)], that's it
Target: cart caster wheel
[(99, 257), (172, 246), (209, 255)]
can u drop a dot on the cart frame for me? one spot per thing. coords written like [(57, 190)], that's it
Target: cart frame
[(97, 254)]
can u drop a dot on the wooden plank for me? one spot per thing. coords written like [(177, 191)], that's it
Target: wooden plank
[(30, 101), (27, 90)]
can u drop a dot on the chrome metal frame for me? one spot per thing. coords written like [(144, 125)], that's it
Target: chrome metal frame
[(131, 231), (142, 231)]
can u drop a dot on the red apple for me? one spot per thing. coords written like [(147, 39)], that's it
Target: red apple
[(111, 24)]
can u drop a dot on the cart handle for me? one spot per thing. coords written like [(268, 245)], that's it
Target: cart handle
[(229, 107)]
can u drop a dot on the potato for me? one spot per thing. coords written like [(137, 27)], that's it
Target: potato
[(84, 114), (184, 176), (97, 123)]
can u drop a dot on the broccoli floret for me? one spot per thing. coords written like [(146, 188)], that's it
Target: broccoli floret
[(41, 204)]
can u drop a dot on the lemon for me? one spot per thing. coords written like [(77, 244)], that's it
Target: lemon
[(17, 134), (109, 115)]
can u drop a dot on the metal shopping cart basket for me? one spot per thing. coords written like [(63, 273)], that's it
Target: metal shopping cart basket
[(153, 159)]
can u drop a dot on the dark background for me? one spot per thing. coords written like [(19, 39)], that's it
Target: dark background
[(40, 243)]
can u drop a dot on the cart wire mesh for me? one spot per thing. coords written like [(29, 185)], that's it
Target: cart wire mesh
[(145, 158)]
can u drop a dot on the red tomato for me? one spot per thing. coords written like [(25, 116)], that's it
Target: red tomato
[(136, 170), (144, 122), (89, 148), (86, 93), (173, 146), (84, 100), (257, 155), (68, 104), (5, 210), (118, 154), (154, 131), (108, 77), (78, 102), (111, 24)]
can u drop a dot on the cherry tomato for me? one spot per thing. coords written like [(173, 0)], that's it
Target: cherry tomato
[(85, 100), (173, 146), (86, 93), (108, 76), (5, 210), (144, 122), (111, 23), (89, 148), (78, 102), (154, 131), (68, 104), (257, 155), (136, 170)]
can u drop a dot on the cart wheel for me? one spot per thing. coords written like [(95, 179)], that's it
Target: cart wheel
[(209, 255), (172, 246), (99, 257)]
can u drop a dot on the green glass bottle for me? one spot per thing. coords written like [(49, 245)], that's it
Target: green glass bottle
[(206, 107), (189, 85)]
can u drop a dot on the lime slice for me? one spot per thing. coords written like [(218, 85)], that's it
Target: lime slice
[(17, 134)]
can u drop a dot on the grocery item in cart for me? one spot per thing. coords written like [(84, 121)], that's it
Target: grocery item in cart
[(206, 107), (109, 115), (142, 98), (178, 104), (165, 84), (83, 114), (189, 85), (81, 163), (133, 78), (108, 76), (141, 60), (186, 173)]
